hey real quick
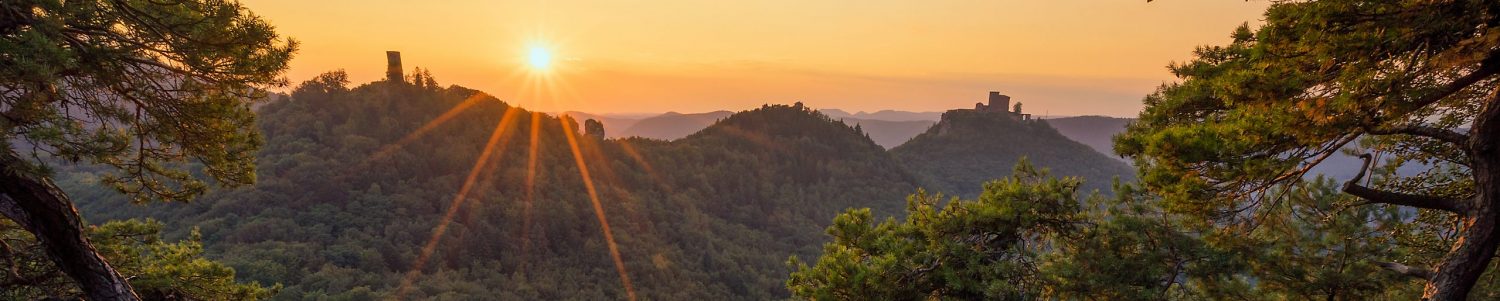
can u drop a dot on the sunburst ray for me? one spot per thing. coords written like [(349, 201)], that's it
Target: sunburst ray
[(490, 146), (530, 183), (588, 184), (429, 126)]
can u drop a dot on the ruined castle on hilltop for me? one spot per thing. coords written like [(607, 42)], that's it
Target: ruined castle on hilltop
[(393, 67), (1000, 103)]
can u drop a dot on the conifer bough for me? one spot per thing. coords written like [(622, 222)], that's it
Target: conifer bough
[(1415, 80), (157, 90)]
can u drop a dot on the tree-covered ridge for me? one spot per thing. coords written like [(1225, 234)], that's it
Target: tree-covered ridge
[(347, 197), (1032, 236), (970, 147), (802, 146), (972, 250)]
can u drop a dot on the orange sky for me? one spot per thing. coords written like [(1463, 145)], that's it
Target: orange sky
[(1059, 57)]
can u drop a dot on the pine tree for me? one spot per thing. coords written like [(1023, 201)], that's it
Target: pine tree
[(1413, 79), (140, 86)]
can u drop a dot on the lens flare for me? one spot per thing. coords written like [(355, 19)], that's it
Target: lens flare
[(588, 184), (630, 151), (536, 126), (495, 140), (462, 106)]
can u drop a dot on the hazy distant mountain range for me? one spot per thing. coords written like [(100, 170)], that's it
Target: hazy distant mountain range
[(672, 125), (888, 133), (888, 115), (888, 128), (1095, 131)]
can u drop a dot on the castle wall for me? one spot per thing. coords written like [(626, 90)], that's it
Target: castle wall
[(998, 102)]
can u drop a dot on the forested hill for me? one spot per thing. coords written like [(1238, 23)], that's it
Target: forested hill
[(785, 147), (968, 147), (352, 182)]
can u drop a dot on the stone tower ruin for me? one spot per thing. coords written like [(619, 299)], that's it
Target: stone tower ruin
[(999, 102), (393, 67)]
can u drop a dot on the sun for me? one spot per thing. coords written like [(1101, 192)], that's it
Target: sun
[(539, 58)]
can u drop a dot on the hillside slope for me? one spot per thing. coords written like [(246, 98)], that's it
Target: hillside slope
[(968, 148)]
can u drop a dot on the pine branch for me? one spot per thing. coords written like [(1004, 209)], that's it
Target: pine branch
[(1376, 196), (1406, 270), (1443, 135)]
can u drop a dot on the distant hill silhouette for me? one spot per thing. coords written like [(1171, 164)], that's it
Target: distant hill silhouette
[(889, 134), (673, 125), (888, 115), (669, 126), (888, 128), (1095, 131), (969, 147)]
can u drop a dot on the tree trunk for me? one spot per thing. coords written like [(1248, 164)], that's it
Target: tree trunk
[(41, 208), (1471, 255)]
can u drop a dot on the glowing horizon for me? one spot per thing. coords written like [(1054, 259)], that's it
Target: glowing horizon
[(1067, 57)]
